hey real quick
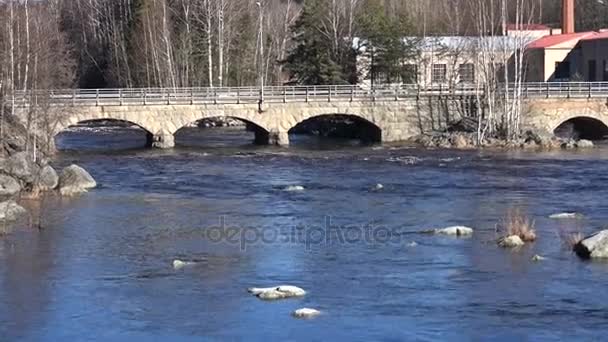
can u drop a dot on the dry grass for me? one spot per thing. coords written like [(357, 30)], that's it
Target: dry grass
[(516, 222), (572, 239)]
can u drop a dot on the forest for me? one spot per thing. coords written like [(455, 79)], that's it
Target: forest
[(200, 43)]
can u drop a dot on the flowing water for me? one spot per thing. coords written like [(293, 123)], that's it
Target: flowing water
[(101, 267)]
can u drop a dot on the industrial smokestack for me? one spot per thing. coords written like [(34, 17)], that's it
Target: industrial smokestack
[(567, 16)]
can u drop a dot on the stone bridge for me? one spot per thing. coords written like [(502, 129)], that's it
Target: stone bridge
[(396, 113)]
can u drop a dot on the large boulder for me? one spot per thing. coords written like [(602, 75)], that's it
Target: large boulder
[(21, 166), (75, 180), (9, 186), (11, 211), (594, 246), (48, 178)]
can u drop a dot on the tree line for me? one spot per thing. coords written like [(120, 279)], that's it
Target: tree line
[(194, 43)]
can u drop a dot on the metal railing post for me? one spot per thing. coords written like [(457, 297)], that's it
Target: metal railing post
[(328, 93), (168, 96), (191, 96), (547, 89), (73, 97), (589, 93), (284, 95), (352, 93), (120, 97), (306, 100), (568, 90), (97, 97), (214, 95), (145, 96), (396, 94), (238, 96)]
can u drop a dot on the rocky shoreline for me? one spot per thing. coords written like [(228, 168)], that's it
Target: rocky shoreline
[(25, 176), (529, 141)]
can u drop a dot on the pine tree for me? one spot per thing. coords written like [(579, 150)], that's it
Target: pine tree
[(310, 61), (386, 46)]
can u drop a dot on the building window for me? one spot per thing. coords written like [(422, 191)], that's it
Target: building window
[(439, 73), (592, 69), (409, 74), (466, 73), (562, 71)]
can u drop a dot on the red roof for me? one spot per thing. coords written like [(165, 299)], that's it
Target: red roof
[(598, 35), (527, 27), (557, 39)]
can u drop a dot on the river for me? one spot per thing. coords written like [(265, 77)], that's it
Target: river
[(101, 267)]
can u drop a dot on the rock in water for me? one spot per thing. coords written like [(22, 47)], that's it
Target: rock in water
[(584, 143), (455, 231), (293, 188), (48, 179), (278, 292), (75, 180), (594, 246), (9, 186), (379, 187), (538, 258), (565, 216), (306, 313), (179, 264), (11, 211), (511, 242)]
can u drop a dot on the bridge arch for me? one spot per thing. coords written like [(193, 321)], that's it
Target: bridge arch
[(253, 124), (590, 127), (352, 126), (65, 125)]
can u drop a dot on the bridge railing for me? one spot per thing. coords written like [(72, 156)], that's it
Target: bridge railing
[(287, 94)]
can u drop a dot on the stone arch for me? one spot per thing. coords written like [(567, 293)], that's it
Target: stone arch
[(76, 119), (72, 121), (581, 127), (255, 124), (363, 128)]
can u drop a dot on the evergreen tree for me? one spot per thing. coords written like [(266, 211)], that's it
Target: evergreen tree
[(311, 60), (387, 48)]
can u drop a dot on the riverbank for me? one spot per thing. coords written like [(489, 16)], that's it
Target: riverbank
[(28, 175), (529, 140)]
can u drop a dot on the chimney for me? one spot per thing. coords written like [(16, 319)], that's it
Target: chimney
[(567, 16)]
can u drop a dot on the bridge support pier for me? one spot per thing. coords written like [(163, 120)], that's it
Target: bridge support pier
[(162, 139), (278, 138)]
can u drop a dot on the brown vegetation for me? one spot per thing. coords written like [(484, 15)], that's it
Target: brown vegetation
[(516, 222)]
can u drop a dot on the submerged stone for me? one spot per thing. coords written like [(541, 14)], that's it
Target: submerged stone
[(512, 241), (455, 231), (293, 188), (179, 264), (277, 292), (565, 216), (306, 313), (538, 258)]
